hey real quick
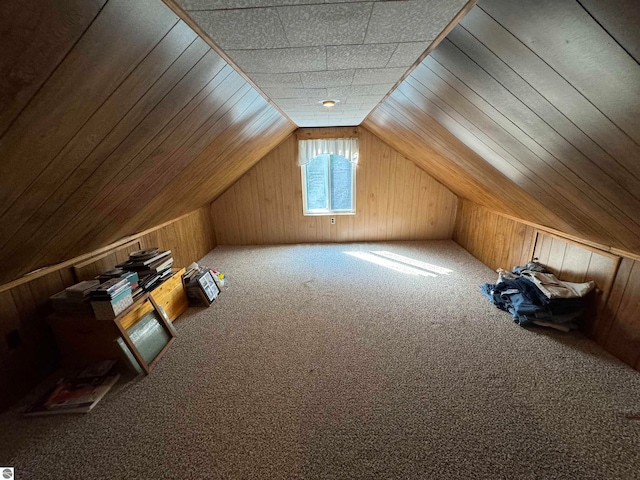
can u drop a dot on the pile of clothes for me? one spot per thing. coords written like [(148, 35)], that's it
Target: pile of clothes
[(534, 296)]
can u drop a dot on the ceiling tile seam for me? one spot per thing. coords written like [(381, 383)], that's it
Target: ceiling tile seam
[(181, 13), (322, 45), (560, 75), (271, 6), (527, 107), (262, 7), (326, 58), (545, 98), (366, 30), (392, 54), (284, 30)]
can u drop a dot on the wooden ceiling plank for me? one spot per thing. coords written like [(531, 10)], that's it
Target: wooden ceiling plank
[(110, 49), (226, 159), (181, 147), (164, 107), (471, 170), (153, 176), (40, 37), (40, 197), (555, 89), (576, 47), (515, 160), (620, 19), (112, 227), (601, 163), (549, 149), (438, 106)]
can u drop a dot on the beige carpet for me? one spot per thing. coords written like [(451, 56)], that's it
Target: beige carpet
[(319, 363)]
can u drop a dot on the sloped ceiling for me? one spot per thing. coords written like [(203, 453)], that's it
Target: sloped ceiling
[(115, 117), (301, 52), (532, 109)]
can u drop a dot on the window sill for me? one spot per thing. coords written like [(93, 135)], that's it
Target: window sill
[(328, 214)]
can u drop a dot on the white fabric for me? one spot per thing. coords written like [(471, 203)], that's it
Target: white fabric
[(310, 149), (554, 288)]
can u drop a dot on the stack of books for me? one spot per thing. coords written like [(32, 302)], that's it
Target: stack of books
[(111, 298), (131, 277), (152, 266), (74, 300), (77, 395)]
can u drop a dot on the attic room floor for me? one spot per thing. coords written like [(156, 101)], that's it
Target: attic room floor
[(338, 361)]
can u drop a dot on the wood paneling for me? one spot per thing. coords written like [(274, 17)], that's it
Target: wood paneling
[(496, 241), (532, 127), (138, 122), (36, 37), (620, 19), (91, 268), (24, 304), (578, 263), (620, 329), (395, 200), (612, 317)]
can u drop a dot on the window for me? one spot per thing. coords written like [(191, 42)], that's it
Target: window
[(328, 175)]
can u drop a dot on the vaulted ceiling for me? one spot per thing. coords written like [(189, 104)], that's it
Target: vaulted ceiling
[(303, 52), (532, 109), (115, 117)]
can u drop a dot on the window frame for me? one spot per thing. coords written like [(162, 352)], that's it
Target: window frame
[(329, 211)]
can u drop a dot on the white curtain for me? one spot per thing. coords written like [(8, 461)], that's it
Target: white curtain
[(310, 149)]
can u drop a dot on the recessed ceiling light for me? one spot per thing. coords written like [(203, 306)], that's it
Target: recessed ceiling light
[(329, 103)]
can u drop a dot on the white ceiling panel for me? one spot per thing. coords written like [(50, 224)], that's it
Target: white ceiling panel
[(410, 21), (292, 80), (359, 56), (333, 92), (326, 24), (381, 89), (285, 92), (364, 99), (327, 78), (280, 60), (286, 102), (407, 53), (301, 52), (228, 4), (376, 76), (244, 29)]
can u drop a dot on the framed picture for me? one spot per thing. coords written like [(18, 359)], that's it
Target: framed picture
[(208, 286)]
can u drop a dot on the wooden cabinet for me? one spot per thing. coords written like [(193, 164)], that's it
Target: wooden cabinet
[(82, 340), (171, 295)]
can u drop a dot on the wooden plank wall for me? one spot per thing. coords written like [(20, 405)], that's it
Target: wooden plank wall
[(502, 243), (395, 200), (579, 263), (613, 316), (115, 117), (513, 112), (24, 303)]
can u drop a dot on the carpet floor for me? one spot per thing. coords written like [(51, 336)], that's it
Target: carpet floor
[(344, 361)]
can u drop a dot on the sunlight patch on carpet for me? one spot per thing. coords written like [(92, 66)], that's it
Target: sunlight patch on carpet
[(391, 264)]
